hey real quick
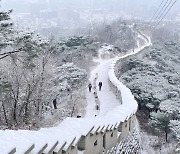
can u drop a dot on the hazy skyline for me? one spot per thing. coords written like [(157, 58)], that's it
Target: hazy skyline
[(93, 4), (74, 14), (138, 8)]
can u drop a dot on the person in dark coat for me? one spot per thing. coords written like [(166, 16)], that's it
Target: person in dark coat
[(55, 103), (90, 87), (100, 85)]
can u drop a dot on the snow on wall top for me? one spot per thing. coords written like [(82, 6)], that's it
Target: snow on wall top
[(129, 104)]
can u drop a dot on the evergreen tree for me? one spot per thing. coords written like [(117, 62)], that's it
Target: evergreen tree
[(160, 121), (6, 32)]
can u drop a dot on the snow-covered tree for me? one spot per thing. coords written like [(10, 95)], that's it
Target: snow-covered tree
[(72, 76), (175, 127), (171, 107), (76, 50), (119, 33), (27, 66), (6, 32), (32, 80), (160, 121), (27, 74)]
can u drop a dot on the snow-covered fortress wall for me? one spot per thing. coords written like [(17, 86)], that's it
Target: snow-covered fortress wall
[(73, 136), (76, 135), (129, 141), (109, 134)]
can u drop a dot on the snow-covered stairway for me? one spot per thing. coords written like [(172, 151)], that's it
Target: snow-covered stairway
[(78, 135)]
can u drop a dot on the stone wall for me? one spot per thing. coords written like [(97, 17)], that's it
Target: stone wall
[(97, 141), (131, 145)]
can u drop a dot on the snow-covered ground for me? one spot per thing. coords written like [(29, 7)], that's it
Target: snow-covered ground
[(106, 97)]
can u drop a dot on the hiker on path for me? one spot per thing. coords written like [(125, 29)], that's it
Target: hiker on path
[(55, 103), (100, 85), (90, 87)]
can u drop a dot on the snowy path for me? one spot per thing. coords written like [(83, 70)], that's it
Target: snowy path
[(107, 99)]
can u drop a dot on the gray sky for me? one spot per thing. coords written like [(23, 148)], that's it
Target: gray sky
[(72, 14), (82, 3), (134, 7)]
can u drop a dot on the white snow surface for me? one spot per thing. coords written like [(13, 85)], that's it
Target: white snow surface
[(129, 104), (105, 72), (111, 113)]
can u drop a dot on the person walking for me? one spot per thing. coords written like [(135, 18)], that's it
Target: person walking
[(55, 103), (100, 85), (90, 87)]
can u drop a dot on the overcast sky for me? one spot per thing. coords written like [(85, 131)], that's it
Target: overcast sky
[(19, 3), (144, 7)]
